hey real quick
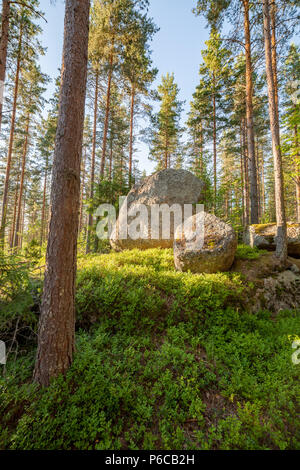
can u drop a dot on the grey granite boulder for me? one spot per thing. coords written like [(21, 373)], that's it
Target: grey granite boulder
[(214, 254), (170, 187)]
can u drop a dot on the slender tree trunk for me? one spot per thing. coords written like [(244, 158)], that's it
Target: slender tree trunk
[(263, 194), (3, 49), (107, 111), (297, 171), (44, 205), (215, 143), (246, 177), (90, 217), (242, 176), (167, 150), (25, 148), (12, 230), (11, 141), (131, 133), (258, 179), (57, 322), (110, 158), (281, 246), (201, 163), (23, 221), (82, 190), (274, 54), (249, 114)]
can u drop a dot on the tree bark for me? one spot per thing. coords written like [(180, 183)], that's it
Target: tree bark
[(92, 182), (11, 141), (249, 114), (57, 322), (3, 49), (281, 245)]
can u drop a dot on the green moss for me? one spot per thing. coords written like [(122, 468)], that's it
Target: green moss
[(261, 227), (245, 252)]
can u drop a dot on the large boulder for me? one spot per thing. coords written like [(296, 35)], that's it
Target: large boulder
[(263, 236), (216, 251), (164, 187)]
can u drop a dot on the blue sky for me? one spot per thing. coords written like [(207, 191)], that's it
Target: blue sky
[(176, 47)]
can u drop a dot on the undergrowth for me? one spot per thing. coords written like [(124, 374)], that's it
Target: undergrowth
[(164, 360)]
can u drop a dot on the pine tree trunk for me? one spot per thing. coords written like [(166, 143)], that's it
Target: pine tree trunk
[(131, 134), (110, 159), (3, 49), (12, 230), (16, 234), (57, 321), (281, 245), (81, 191), (249, 114), (263, 187), (201, 163), (258, 180), (297, 179), (107, 111), (11, 141), (246, 177), (92, 182), (44, 205), (242, 177), (215, 143), (274, 54)]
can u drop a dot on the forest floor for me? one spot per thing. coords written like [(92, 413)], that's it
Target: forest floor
[(164, 360)]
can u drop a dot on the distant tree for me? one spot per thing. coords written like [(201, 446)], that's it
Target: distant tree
[(166, 131)]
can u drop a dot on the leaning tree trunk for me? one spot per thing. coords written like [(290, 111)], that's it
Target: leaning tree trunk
[(281, 246), (3, 49), (249, 115), (11, 141), (57, 322)]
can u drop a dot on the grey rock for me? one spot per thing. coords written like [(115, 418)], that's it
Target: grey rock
[(164, 187), (218, 250), (263, 236)]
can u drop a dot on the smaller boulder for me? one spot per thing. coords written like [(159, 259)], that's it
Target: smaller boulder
[(263, 236), (214, 253)]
